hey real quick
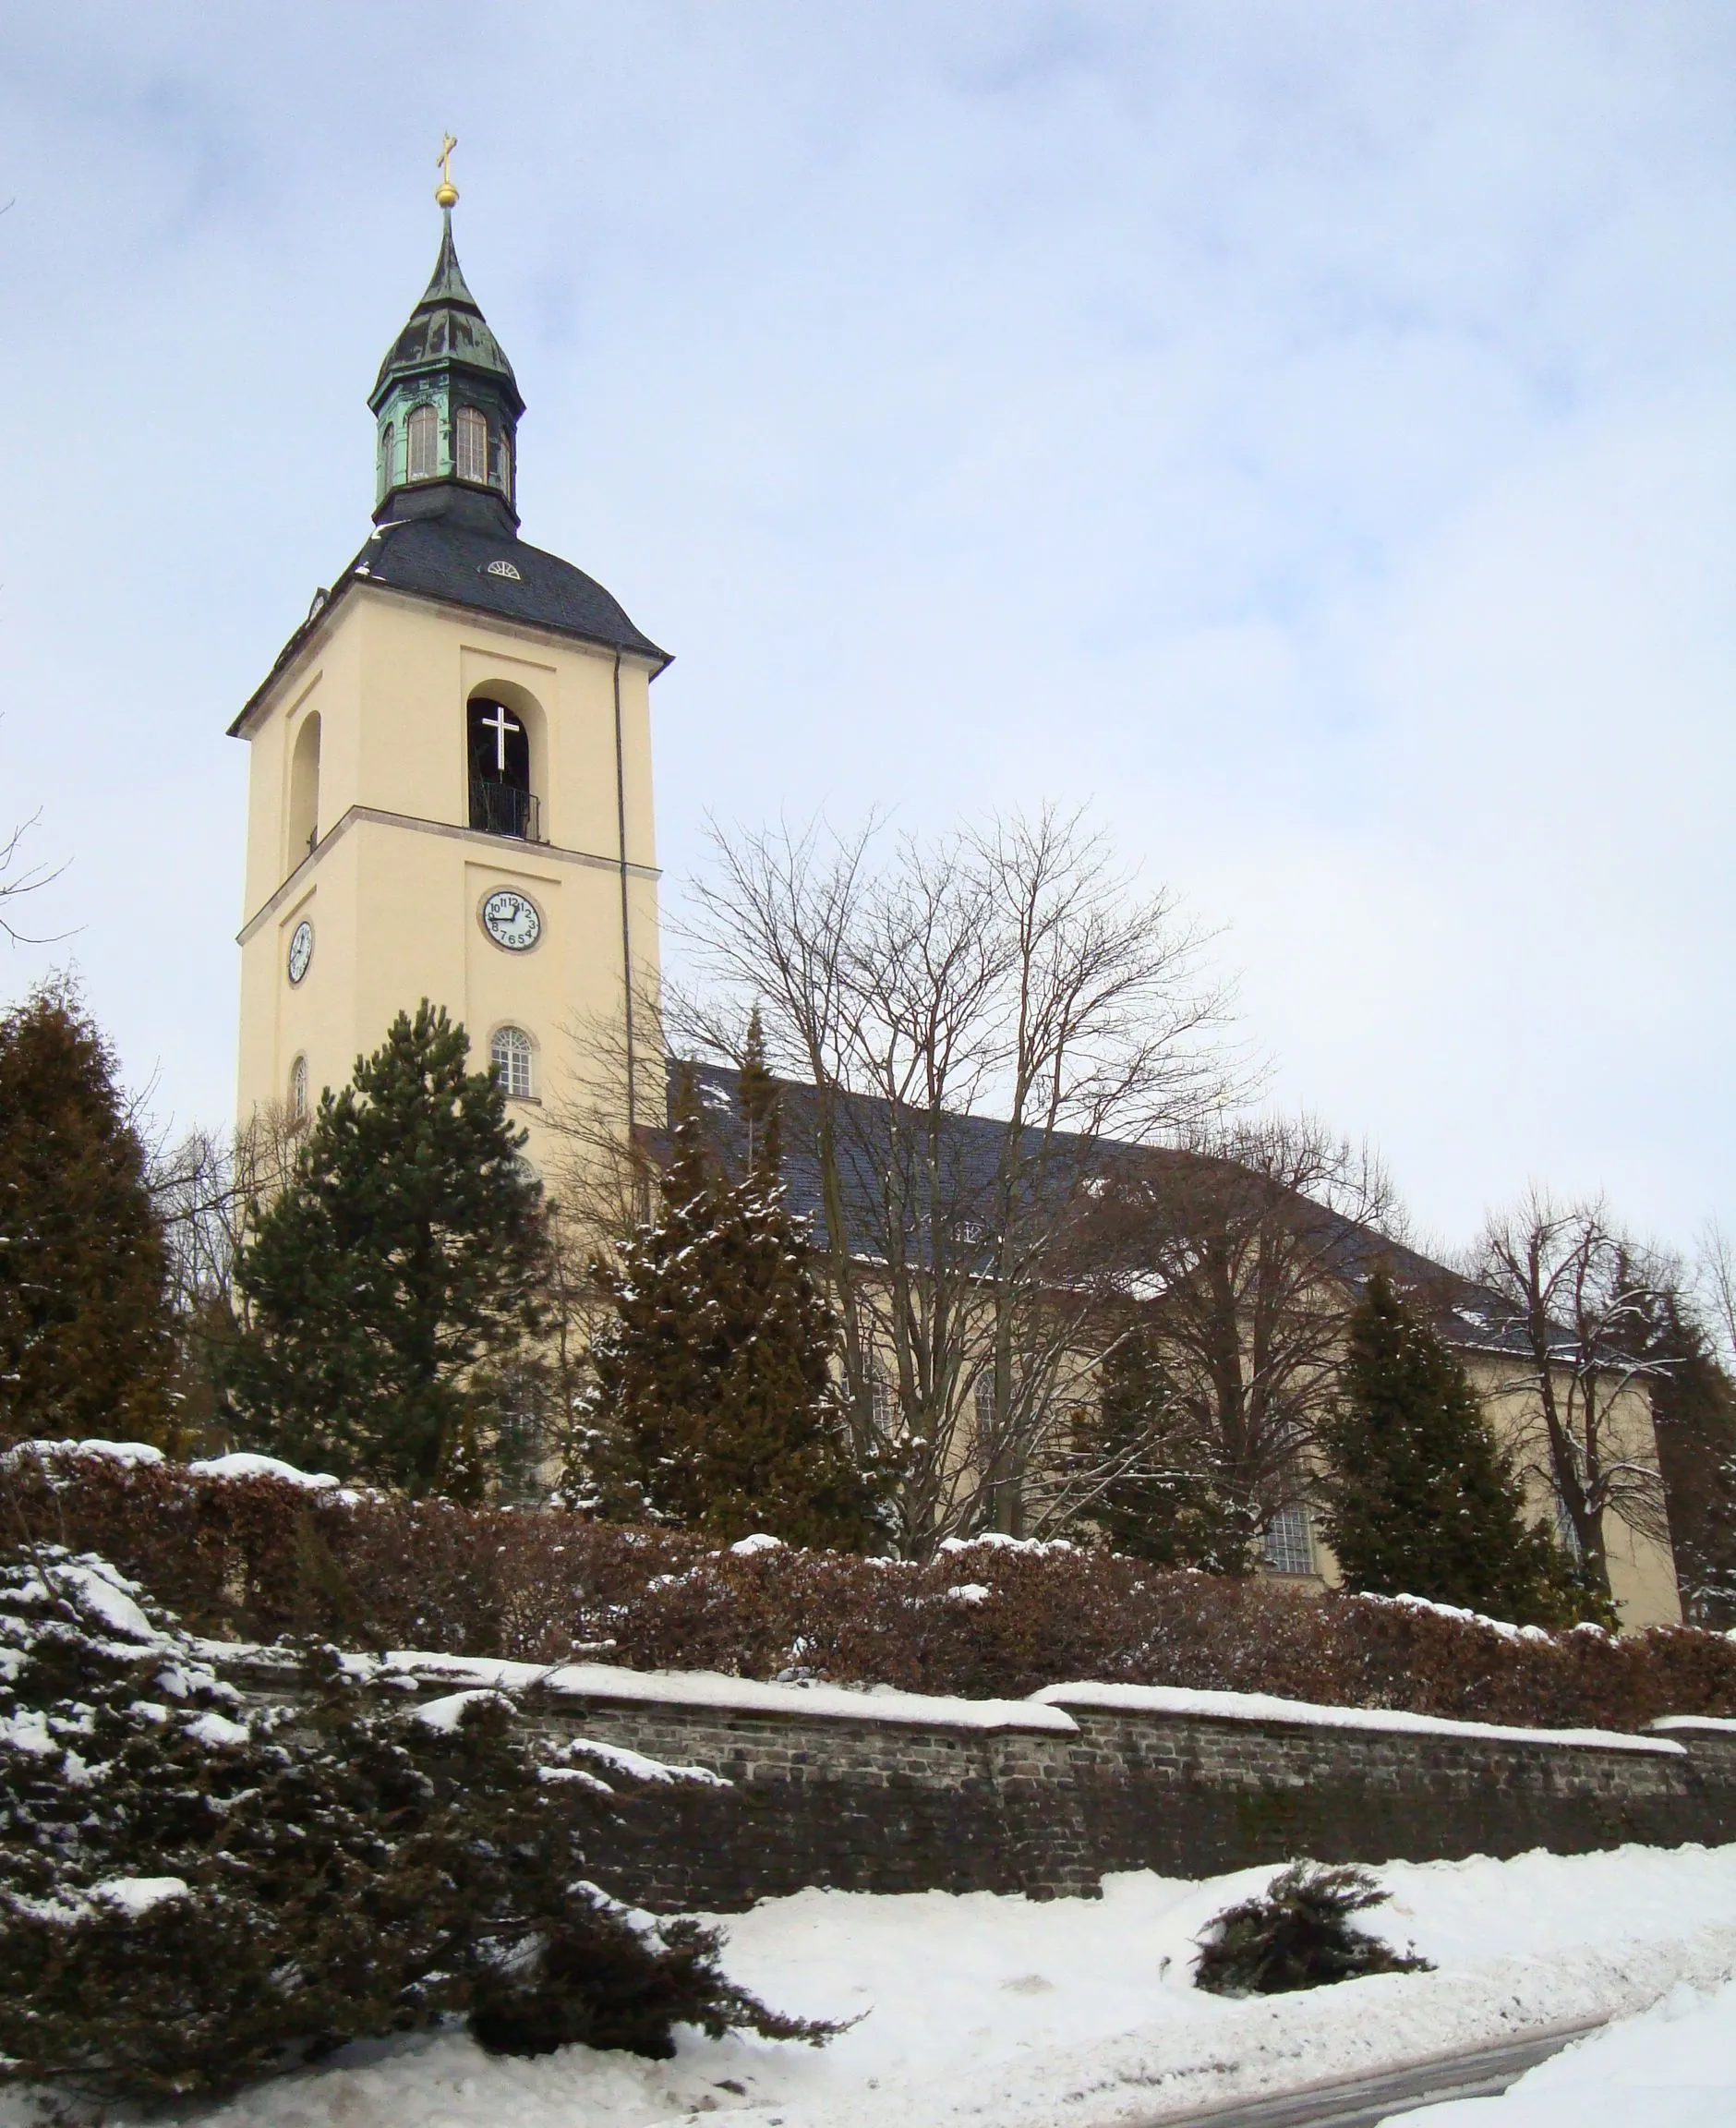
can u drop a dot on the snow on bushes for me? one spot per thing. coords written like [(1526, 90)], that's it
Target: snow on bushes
[(1298, 1934), (255, 1557), (190, 1900)]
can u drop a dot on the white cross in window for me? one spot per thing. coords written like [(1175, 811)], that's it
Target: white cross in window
[(502, 726)]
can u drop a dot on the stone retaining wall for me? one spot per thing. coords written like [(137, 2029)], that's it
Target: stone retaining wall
[(895, 1793)]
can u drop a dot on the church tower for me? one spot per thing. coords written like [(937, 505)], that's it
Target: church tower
[(450, 789)]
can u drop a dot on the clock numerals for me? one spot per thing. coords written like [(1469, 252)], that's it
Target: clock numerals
[(300, 950), (511, 920)]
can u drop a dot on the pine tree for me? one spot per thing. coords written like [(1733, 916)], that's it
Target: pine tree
[(1164, 1500), (756, 1093), (394, 1280), (714, 1404), (86, 1344), (1420, 1500), (298, 1877)]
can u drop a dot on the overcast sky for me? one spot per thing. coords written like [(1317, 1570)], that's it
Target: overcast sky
[(1301, 432)]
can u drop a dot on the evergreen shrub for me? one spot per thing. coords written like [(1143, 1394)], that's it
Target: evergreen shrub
[(260, 1559), (190, 1900), (1298, 1934)]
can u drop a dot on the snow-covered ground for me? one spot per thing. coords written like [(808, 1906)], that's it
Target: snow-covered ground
[(1673, 2067), (989, 2010)]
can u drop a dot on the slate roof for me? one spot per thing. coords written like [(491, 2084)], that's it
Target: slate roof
[(441, 546), (1465, 1315)]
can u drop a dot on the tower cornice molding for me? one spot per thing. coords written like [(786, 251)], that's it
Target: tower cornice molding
[(510, 856)]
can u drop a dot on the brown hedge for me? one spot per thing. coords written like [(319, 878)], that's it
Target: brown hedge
[(258, 1558)]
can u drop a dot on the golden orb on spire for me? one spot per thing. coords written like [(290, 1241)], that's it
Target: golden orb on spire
[(446, 192)]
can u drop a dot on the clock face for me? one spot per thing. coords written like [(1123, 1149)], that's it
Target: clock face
[(511, 920), (300, 950)]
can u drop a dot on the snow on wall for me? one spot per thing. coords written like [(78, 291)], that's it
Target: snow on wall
[(712, 1690), (881, 1791), (1267, 1707)]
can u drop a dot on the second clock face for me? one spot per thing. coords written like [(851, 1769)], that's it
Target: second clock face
[(300, 950), (511, 920)]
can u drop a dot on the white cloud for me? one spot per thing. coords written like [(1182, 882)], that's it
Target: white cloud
[(1306, 432)]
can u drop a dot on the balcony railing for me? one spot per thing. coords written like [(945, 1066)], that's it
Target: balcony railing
[(502, 809)]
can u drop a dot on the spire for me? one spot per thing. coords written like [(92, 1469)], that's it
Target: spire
[(447, 284), (446, 403)]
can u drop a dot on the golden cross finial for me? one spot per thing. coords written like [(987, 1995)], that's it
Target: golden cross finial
[(446, 192)]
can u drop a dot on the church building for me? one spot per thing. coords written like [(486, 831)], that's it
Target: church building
[(451, 798), (450, 789)]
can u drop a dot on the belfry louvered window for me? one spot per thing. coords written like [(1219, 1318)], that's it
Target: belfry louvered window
[(472, 451), (388, 451), (423, 428)]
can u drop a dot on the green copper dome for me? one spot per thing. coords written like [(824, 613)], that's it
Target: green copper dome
[(446, 401)]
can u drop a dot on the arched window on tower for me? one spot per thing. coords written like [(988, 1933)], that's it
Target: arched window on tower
[(299, 1093), (423, 429), (471, 450), (387, 450), (504, 463), (304, 791), (510, 1053), (500, 800)]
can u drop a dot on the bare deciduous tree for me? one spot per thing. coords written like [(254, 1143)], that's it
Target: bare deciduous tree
[(203, 1187), (1576, 1295), (15, 884), (1243, 1249), (975, 1021), (1714, 1291)]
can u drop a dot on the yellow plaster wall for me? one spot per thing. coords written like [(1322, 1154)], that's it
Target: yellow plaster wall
[(1641, 1568), (394, 901)]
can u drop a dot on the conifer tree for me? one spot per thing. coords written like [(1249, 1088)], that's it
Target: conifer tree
[(1420, 1500), (714, 1404), (1149, 1482), (756, 1093), (394, 1278), (86, 1344)]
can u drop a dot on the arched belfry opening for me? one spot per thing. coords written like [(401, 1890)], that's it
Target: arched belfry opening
[(304, 791), (502, 797)]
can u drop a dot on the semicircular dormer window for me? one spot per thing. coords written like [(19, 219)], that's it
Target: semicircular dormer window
[(423, 428), (471, 445)]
